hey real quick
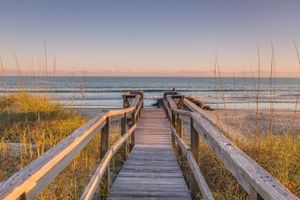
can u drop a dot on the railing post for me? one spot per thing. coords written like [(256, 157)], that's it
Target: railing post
[(179, 126), (103, 149), (125, 101), (142, 98), (133, 121), (181, 103), (166, 107), (179, 121), (195, 152), (29, 195), (124, 150), (254, 195), (179, 130), (173, 119), (174, 126), (140, 110)]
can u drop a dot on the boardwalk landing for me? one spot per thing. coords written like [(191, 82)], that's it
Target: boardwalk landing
[(151, 171)]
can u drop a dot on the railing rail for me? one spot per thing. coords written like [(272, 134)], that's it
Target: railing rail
[(30, 181), (256, 181)]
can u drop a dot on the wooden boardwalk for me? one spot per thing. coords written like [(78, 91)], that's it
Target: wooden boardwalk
[(151, 171)]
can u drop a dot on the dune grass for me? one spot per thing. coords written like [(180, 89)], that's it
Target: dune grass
[(278, 154), (34, 124)]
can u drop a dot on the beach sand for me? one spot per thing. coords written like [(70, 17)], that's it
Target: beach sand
[(245, 121)]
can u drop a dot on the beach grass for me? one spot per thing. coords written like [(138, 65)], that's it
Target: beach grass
[(278, 154), (30, 125), (273, 141)]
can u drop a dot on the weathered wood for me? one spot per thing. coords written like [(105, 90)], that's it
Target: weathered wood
[(103, 166), (195, 152), (196, 178), (132, 122), (103, 150), (30, 182), (167, 109), (254, 195), (151, 170), (247, 172), (95, 180), (179, 123), (199, 178), (124, 150), (171, 102), (149, 198), (254, 179)]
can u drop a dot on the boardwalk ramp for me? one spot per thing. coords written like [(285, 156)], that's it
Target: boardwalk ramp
[(151, 171)]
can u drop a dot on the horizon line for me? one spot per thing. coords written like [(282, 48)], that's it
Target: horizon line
[(112, 73)]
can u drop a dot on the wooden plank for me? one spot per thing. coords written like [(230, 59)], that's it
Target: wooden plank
[(153, 162), (149, 174), (150, 193), (148, 198), (145, 188), (151, 158), (155, 181), (151, 171)]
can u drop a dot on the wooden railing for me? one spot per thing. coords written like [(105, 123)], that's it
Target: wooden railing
[(30, 182), (257, 182)]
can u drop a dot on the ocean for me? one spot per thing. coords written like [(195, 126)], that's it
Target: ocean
[(105, 92)]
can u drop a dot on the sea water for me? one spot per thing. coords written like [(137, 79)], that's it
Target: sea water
[(106, 92)]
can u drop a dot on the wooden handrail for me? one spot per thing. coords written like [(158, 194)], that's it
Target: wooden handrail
[(29, 182), (256, 181), (205, 191), (191, 154), (96, 178)]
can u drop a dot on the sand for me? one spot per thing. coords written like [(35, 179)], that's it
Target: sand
[(245, 121)]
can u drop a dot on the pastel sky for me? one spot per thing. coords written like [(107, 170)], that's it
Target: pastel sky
[(150, 35)]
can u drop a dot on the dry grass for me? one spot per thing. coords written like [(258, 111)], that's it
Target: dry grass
[(222, 184), (34, 123), (278, 154), (37, 124)]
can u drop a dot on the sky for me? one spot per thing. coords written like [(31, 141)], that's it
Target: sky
[(149, 36)]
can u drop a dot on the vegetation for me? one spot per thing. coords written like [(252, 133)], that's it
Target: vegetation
[(278, 154), (276, 151), (30, 125)]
